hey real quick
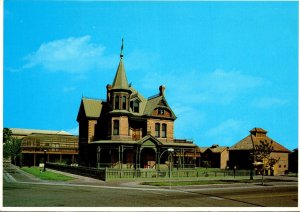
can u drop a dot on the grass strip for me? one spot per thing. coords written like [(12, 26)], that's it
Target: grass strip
[(206, 182), (47, 175)]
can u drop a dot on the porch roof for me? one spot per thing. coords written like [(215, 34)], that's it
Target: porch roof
[(164, 144)]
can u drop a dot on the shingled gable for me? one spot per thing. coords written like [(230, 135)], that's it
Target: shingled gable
[(155, 102), (91, 108), (254, 139)]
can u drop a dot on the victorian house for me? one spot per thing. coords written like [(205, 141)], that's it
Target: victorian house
[(128, 130)]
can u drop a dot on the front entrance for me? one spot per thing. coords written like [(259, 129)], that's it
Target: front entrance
[(148, 158)]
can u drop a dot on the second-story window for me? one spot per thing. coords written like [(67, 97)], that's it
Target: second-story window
[(164, 131), (116, 127), (117, 102), (157, 130), (124, 103)]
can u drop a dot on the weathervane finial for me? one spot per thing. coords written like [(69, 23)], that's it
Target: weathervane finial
[(121, 54)]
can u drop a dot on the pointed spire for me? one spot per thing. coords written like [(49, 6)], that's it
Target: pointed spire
[(120, 80), (121, 54)]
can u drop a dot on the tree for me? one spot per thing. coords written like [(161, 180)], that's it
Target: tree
[(262, 153), (6, 135), (6, 139), (11, 146)]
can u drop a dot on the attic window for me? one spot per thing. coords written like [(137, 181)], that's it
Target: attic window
[(161, 111)]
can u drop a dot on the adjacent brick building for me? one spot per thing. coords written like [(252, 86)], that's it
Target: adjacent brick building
[(216, 156), (240, 153), (129, 130)]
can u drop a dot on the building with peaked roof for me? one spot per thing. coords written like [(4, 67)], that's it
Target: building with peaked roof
[(129, 130), (240, 153), (216, 156)]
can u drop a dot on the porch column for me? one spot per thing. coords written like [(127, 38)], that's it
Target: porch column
[(122, 156), (34, 159), (158, 159), (139, 156), (119, 149), (98, 156)]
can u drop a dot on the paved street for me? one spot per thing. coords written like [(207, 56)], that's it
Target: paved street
[(86, 192)]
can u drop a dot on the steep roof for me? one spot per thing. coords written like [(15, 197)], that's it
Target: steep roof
[(218, 149), (250, 140), (142, 101), (92, 107), (120, 80), (153, 102)]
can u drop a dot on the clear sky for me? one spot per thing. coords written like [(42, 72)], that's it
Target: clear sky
[(227, 66)]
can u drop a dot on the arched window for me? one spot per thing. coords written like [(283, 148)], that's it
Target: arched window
[(116, 127), (164, 131), (124, 103), (117, 102), (157, 130)]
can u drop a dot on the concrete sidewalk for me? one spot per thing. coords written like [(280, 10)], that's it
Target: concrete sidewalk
[(21, 176)]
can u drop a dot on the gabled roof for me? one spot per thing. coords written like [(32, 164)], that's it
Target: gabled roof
[(248, 142), (218, 149), (92, 107), (149, 137), (153, 103), (213, 149), (120, 80)]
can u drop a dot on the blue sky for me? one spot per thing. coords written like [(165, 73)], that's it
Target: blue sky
[(227, 66)]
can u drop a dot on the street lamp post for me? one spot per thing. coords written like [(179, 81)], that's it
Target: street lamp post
[(45, 151), (170, 150)]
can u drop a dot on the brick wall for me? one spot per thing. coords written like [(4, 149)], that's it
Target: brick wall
[(123, 128), (283, 164), (170, 129), (91, 130), (224, 159)]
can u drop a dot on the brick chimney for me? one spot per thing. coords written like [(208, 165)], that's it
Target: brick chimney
[(162, 90)]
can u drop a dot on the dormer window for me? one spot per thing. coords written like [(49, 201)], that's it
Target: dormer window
[(135, 106)]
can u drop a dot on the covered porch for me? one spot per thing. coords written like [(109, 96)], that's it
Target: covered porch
[(147, 153)]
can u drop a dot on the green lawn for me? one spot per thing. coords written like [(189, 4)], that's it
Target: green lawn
[(47, 175)]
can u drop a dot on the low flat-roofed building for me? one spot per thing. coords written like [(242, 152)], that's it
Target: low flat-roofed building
[(56, 146)]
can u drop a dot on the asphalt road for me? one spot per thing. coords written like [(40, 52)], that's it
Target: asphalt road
[(41, 194)]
